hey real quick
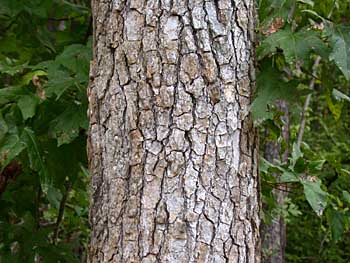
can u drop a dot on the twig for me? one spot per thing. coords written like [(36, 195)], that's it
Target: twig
[(310, 74), (283, 190), (282, 184), (323, 240), (65, 18), (291, 12), (275, 186), (61, 211), (307, 103)]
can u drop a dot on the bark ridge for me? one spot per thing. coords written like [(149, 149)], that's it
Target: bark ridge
[(172, 150)]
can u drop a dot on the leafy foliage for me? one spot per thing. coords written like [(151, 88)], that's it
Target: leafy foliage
[(44, 68), (293, 35), (296, 46)]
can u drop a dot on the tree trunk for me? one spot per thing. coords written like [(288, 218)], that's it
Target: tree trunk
[(274, 235), (172, 150)]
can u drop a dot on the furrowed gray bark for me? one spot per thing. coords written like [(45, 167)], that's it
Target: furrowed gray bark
[(172, 150)]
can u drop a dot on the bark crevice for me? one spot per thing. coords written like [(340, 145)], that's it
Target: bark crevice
[(172, 150)]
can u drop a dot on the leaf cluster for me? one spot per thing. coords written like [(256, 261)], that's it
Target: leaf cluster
[(304, 55), (45, 51)]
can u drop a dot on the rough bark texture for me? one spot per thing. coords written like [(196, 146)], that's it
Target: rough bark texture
[(172, 150), (274, 235)]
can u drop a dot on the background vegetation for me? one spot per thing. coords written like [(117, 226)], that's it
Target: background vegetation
[(45, 49)]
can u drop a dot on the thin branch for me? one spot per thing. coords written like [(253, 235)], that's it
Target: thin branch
[(282, 184), (276, 186), (291, 13), (310, 74), (283, 190), (61, 211), (47, 224), (65, 18), (307, 103), (323, 241)]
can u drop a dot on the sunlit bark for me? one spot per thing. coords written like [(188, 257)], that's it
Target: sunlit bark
[(172, 150)]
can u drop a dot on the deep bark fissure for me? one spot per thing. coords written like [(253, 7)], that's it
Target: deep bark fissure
[(172, 150)]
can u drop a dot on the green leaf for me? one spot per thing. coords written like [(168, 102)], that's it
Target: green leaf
[(270, 9), (308, 2), (288, 177), (76, 58), (3, 127), (340, 40), (65, 128), (12, 93), (63, 162), (10, 7), (335, 108), (85, 171), (11, 68), (35, 158), (38, 8), (345, 171), (346, 196), (312, 12), (338, 95), (11, 147), (264, 165), (296, 154), (27, 105), (316, 165), (69, 69), (316, 197), (270, 87), (27, 78), (59, 81), (296, 46), (54, 196), (337, 223)]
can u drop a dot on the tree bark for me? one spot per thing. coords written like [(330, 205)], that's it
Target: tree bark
[(172, 150)]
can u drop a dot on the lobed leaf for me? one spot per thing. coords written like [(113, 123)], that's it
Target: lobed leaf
[(296, 46), (65, 128)]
